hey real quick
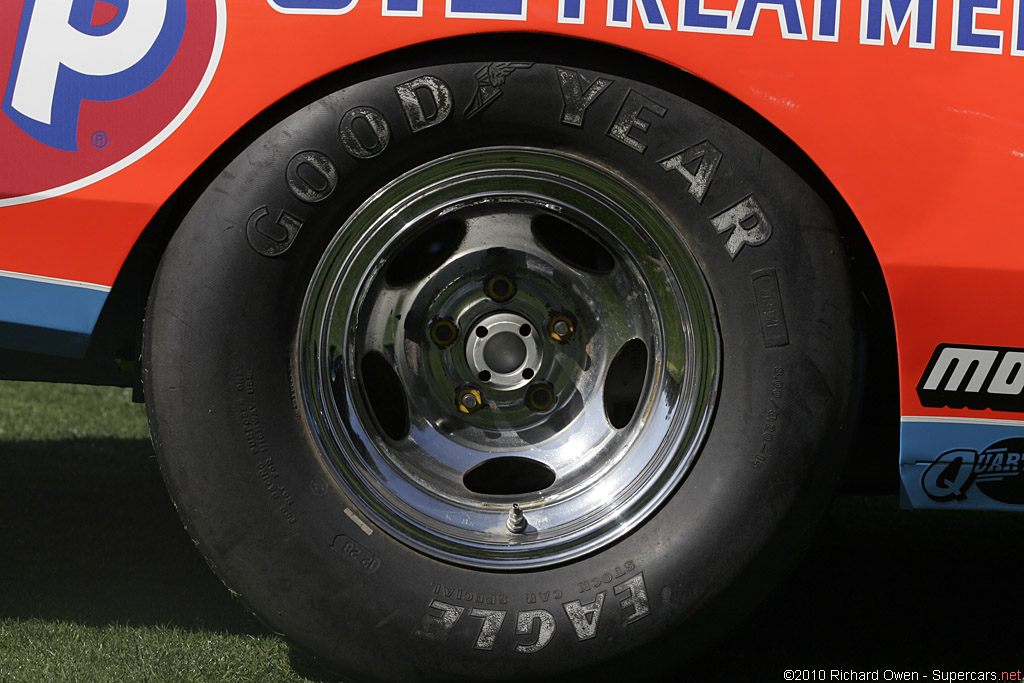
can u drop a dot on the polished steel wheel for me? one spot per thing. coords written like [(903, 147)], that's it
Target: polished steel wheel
[(508, 357)]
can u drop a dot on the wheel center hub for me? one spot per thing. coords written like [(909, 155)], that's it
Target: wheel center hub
[(503, 350)]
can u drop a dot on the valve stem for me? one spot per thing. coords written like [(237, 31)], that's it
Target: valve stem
[(516, 521)]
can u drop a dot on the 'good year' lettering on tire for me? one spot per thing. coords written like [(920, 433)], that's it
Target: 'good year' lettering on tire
[(427, 101), (533, 629)]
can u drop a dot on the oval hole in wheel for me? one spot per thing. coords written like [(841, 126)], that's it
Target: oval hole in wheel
[(625, 382), (385, 395), (572, 245), (509, 476), (424, 253)]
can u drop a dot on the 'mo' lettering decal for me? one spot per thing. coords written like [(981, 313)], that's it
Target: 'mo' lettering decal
[(976, 377)]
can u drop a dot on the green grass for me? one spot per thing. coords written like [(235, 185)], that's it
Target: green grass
[(40, 650), (36, 411), (98, 580)]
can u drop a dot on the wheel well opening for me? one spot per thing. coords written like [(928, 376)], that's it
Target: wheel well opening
[(116, 344)]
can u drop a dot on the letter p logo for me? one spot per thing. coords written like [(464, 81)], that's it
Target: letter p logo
[(69, 51)]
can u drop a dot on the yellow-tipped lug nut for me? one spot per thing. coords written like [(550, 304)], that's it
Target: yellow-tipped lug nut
[(540, 396), (500, 288), (444, 333), (469, 400), (561, 327)]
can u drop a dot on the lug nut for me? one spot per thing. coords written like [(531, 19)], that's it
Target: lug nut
[(444, 332), (561, 328), (469, 400), (540, 396), (516, 521), (500, 288)]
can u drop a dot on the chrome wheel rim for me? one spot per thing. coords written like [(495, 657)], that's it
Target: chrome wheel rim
[(508, 358)]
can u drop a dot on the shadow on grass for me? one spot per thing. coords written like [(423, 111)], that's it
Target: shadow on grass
[(89, 535), (888, 589)]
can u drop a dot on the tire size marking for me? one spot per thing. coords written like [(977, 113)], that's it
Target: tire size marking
[(252, 428), (351, 550), (532, 629), (268, 473), (774, 332), (771, 419), (256, 441)]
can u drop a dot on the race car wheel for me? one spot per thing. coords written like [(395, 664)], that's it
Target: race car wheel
[(501, 367)]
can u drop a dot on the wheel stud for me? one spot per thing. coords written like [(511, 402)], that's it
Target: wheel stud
[(444, 332), (540, 396), (469, 400), (500, 288), (516, 521), (561, 327)]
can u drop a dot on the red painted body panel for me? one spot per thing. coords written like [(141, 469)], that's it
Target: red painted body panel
[(925, 145)]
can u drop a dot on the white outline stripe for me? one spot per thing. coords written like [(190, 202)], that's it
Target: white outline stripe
[(54, 281), (1015, 36), (962, 420), (817, 34), (301, 10), (562, 19), (218, 47), (976, 32), (449, 13)]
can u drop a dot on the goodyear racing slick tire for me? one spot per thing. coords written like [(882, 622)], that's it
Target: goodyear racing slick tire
[(501, 367)]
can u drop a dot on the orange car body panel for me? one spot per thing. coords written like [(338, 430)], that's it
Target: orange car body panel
[(925, 143)]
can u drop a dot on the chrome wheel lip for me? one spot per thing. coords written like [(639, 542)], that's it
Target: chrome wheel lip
[(646, 459)]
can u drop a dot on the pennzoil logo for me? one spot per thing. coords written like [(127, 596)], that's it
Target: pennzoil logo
[(995, 472), (93, 85), (976, 377)]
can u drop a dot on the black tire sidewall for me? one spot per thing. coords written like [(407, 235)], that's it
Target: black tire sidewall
[(267, 510)]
